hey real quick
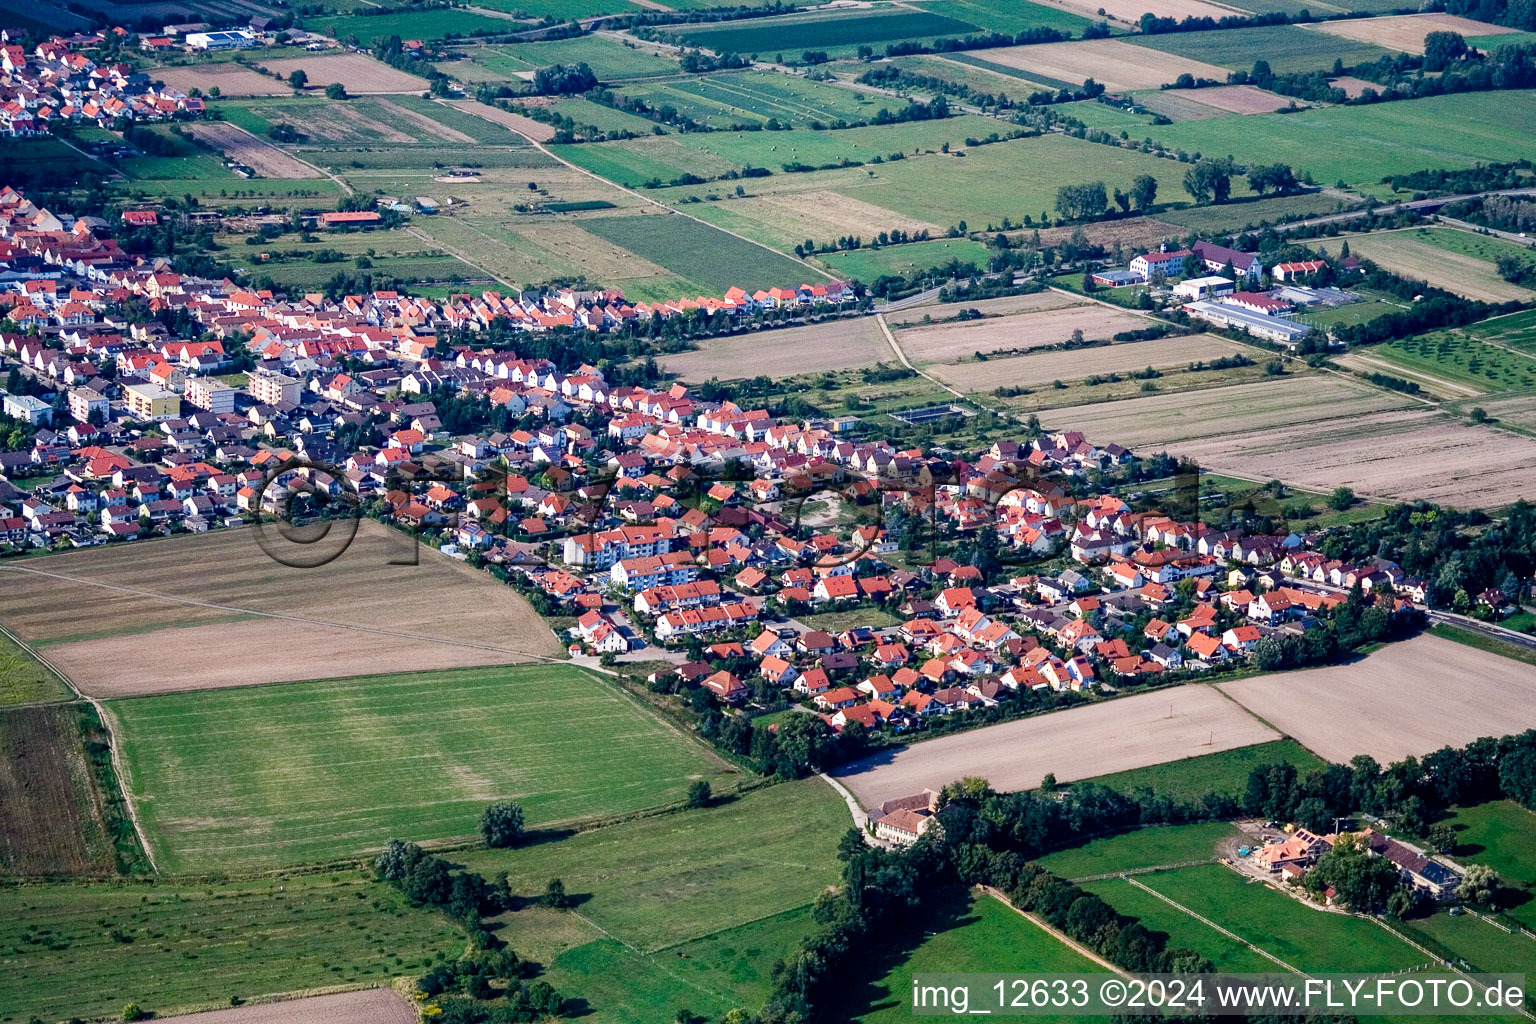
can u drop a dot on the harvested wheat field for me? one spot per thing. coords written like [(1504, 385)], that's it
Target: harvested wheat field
[(1407, 698), (1117, 66), (214, 611), (1401, 253), (999, 306), (1237, 99), (1175, 420), (1405, 32), (1406, 454), (820, 213), (947, 342), (260, 156), (1039, 368), (536, 131), (230, 79), (835, 345), (370, 1006), (360, 73), (1115, 736), (1353, 87)]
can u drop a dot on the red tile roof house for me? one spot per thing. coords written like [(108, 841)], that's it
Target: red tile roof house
[(841, 697)]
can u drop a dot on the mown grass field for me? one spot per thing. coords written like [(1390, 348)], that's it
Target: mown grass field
[(699, 253), (23, 680), (1287, 48), (757, 97), (437, 24), (1479, 247), (1502, 834), (965, 933), (1483, 946), (688, 909), (1304, 938), (268, 776), (868, 264), (661, 881), (609, 59), (1361, 145), (1009, 15), (1183, 931), (1139, 848), (86, 950), (836, 32), (1432, 255), (1226, 772), (1517, 330)]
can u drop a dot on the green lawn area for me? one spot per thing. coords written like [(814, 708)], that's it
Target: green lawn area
[(586, 113), (756, 97), (1358, 313), (837, 621), (836, 32), (1490, 43), (1183, 931), (1361, 145), (965, 933), (1139, 848), (434, 24), (25, 681), (1287, 48), (1009, 15), (1516, 330), (86, 950), (1502, 834), (773, 149), (698, 252), (1485, 947), (1226, 772), (609, 58), (267, 776), (905, 260), (687, 909), (1479, 247), (1307, 939), (661, 881)]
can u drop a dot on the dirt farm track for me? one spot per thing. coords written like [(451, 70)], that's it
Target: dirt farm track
[(1084, 742), (212, 611)]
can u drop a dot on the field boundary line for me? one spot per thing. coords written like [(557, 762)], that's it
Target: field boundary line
[(348, 189), (730, 927), (655, 202), (1142, 871), (1434, 958), (891, 340), (1213, 925), (111, 725), (1045, 926), (419, 233)]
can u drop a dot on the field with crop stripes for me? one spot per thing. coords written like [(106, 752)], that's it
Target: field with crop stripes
[(274, 775)]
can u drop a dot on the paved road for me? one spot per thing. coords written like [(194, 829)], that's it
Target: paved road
[(1487, 629), (1431, 204)]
